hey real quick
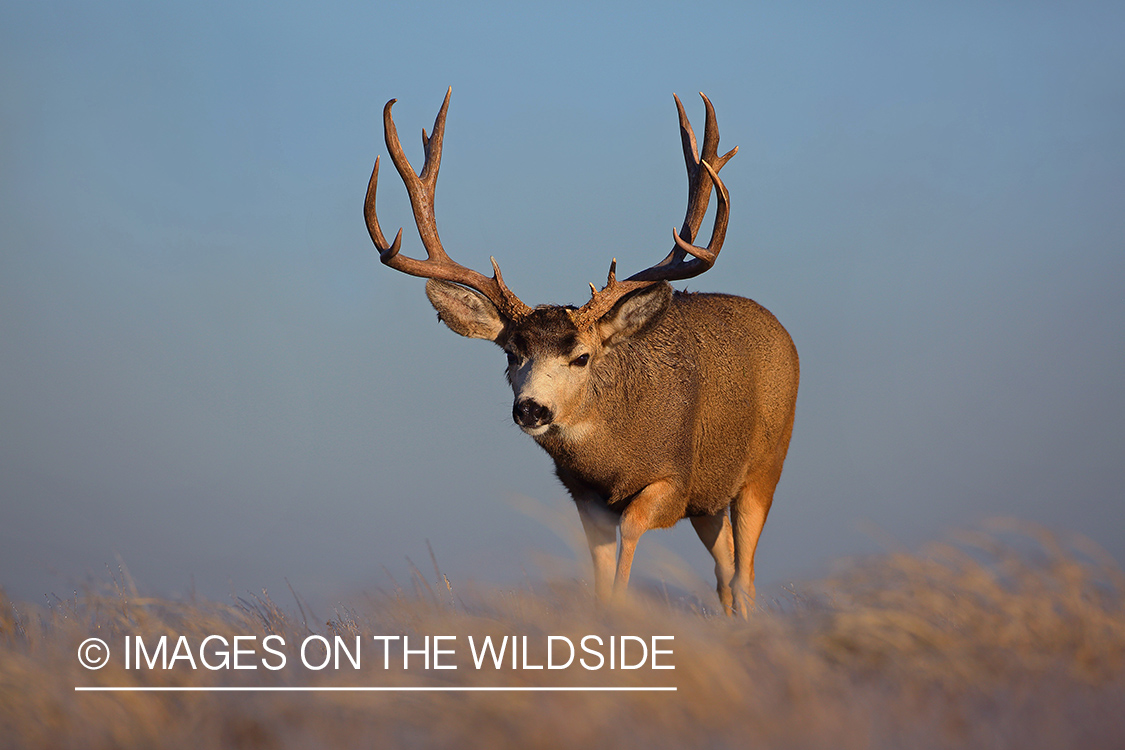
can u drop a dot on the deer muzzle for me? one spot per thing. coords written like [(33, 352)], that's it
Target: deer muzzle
[(529, 414)]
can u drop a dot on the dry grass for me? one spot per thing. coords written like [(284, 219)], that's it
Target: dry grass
[(1004, 639)]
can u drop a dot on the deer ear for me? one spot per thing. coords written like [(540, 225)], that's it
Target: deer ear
[(635, 313), (465, 311)]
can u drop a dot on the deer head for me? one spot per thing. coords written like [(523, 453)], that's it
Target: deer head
[(554, 352)]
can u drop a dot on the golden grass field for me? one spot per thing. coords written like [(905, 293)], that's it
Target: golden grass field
[(1005, 638)]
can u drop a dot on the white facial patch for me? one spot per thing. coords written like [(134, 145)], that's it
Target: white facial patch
[(551, 381)]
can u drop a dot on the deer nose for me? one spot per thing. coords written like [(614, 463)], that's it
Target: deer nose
[(530, 413)]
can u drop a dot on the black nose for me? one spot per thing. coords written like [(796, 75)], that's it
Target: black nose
[(530, 413)]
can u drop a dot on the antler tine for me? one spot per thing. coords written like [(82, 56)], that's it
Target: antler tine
[(705, 257), (373, 228), (432, 144), (421, 188)]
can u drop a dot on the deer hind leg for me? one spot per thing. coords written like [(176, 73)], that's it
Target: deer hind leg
[(600, 525), (715, 533), (748, 515)]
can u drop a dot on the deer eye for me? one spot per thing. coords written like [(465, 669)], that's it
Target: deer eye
[(580, 361), (512, 359)]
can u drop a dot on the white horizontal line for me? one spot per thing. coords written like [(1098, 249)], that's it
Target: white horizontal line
[(370, 689)]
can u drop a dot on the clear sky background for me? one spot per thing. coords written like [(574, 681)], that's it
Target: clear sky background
[(205, 370)]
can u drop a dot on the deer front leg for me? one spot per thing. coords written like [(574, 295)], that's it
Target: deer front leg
[(648, 510), (600, 525)]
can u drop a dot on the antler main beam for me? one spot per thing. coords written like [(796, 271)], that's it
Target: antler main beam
[(686, 260), (421, 188)]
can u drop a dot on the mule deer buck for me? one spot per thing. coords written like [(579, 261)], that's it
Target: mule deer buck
[(656, 405)]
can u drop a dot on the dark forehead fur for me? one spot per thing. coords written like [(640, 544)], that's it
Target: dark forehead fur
[(547, 330)]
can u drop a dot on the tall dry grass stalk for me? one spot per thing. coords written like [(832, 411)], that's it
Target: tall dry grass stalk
[(1001, 639)]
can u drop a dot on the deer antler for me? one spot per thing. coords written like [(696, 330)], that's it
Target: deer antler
[(702, 172), (420, 187)]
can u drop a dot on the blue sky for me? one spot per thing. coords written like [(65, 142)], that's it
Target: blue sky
[(208, 374)]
